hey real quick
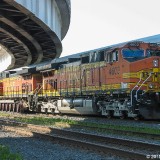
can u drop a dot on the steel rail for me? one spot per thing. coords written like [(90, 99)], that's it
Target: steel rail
[(116, 131), (102, 144), (85, 145)]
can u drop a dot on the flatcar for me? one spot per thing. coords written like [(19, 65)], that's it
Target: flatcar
[(121, 81)]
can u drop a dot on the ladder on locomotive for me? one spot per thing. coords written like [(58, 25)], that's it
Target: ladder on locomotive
[(138, 86)]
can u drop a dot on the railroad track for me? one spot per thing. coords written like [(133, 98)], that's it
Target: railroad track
[(101, 144), (122, 132), (155, 136), (16, 112)]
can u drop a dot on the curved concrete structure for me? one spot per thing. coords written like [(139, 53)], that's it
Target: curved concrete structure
[(31, 30)]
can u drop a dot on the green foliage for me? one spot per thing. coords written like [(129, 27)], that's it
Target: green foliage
[(52, 121), (3, 114), (5, 154)]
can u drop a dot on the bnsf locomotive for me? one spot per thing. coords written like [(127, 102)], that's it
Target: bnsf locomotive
[(121, 81)]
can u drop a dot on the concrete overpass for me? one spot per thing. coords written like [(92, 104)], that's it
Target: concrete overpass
[(31, 30)]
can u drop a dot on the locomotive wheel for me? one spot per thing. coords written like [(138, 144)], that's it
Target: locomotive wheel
[(53, 111), (136, 118), (109, 115), (39, 109), (20, 109), (46, 111), (123, 115)]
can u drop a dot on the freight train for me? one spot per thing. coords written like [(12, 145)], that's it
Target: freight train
[(119, 81)]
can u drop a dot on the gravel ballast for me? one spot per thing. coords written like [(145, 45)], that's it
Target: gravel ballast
[(38, 149)]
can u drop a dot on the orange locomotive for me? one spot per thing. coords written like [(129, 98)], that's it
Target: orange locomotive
[(122, 81)]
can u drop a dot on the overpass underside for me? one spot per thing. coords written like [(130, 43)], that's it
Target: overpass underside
[(26, 38)]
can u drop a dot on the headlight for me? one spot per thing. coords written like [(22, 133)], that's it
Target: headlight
[(155, 63), (151, 86)]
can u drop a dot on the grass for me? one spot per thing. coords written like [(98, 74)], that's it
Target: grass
[(5, 154), (97, 126), (3, 114), (70, 123)]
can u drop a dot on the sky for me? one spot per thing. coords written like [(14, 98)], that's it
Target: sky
[(99, 23)]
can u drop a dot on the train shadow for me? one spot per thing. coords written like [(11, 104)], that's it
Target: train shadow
[(31, 148)]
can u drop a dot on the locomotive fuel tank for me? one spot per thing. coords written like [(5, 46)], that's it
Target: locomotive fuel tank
[(77, 106)]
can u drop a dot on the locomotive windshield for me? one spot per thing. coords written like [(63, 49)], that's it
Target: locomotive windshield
[(152, 53), (133, 54)]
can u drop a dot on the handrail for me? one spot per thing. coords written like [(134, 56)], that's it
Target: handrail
[(135, 87), (39, 89), (150, 74)]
